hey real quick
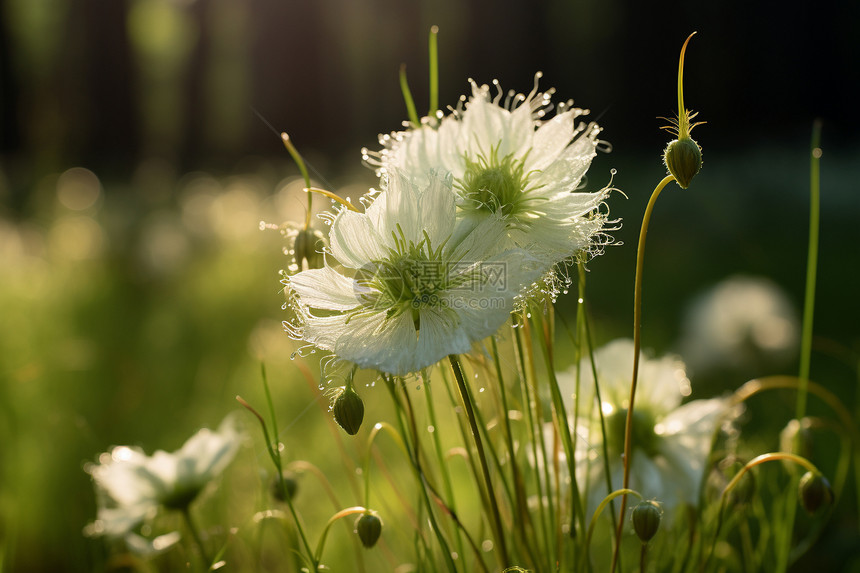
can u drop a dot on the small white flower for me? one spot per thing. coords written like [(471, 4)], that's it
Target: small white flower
[(506, 157), (742, 322), (408, 292), (671, 441), (131, 486)]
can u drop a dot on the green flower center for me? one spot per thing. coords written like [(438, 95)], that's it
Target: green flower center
[(181, 496), (644, 437), (412, 278), (493, 183)]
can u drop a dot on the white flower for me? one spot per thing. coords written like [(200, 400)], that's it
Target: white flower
[(671, 442), (131, 486), (408, 294), (742, 322), (506, 157)]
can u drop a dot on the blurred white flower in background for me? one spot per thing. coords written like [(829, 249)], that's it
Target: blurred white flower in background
[(132, 486), (671, 441), (743, 323)]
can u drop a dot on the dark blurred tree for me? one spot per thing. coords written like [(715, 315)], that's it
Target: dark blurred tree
[(99, 80)]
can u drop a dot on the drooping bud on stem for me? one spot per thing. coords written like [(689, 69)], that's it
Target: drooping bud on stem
[(814, 492), (368, 526), (348, 409), (290, 484), (646, 520), (307, 249)]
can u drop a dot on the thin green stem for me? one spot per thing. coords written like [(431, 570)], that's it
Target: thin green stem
[(339, 515), (598, 398), (591, 524), (811, 268), (764, 458), (523, 518), (414, 455), (275, 454), (537, 441), (637, 342), (578, 513), (434, 71), (808, 312), (407, 98), (466, 397), (195, 536), (301, 165), (440, 457)]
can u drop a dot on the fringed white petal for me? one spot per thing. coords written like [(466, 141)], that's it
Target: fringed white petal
[(354, 241), (326, 289)]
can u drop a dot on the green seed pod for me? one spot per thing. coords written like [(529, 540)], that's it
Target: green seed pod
[(290, 483), (348, 410), (369, 528), (814, 491), (683, 159), (307, 248), (646, 519)]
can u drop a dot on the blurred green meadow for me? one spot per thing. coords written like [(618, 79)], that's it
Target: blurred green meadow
[(139, 295)]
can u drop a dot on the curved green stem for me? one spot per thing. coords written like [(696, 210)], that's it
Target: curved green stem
[(301, 165), (275, 454), (466, 397), (195, 536), (606, 500), (637, 342), (339, 515), (764, 458), (333, 197)]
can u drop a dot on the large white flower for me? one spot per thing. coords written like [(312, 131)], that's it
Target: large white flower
[(409, 292), (505, 156), (671, 441), (131, 486)]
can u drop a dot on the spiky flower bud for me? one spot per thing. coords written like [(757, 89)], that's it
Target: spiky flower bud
[(348, 410), (368, 526), (646, 519), (814, 491), (291, 485), (683, 156), (683, 159)]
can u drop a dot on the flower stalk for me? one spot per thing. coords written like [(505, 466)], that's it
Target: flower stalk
[(304, 170), (637, 344), (466, 397)]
